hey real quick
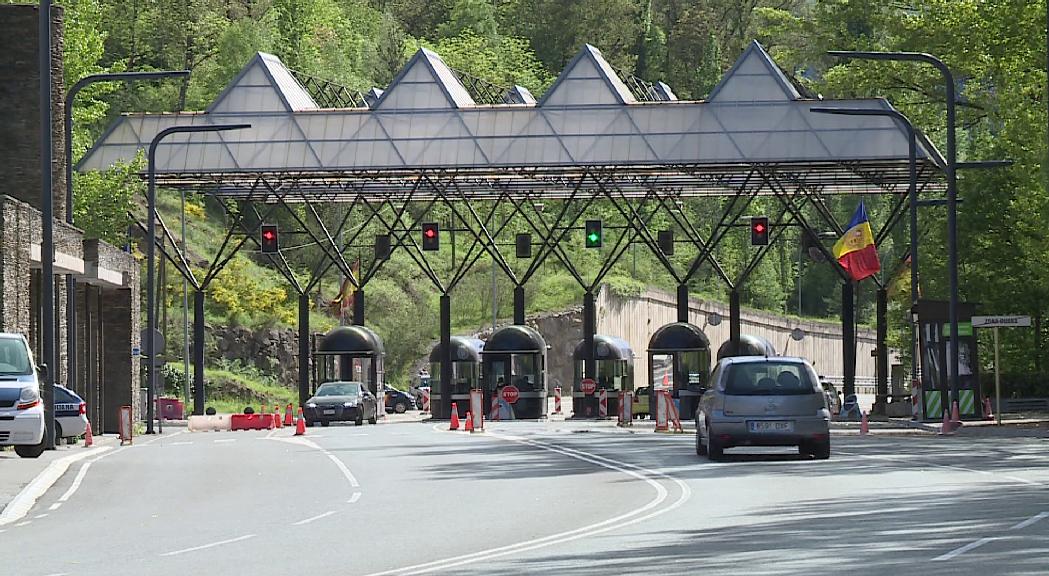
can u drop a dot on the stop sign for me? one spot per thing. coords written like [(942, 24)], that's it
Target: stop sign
[(588, 385), (511, 394)]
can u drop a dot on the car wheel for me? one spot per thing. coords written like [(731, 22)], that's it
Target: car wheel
[(715, 450), (701, 448), (359, 421), (32, 451), (821, 450), (309, 423), (400, 407), (58, 433), (374, 418), (325, 423)]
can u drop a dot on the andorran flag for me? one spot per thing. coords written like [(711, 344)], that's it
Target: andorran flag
[(855, 250)]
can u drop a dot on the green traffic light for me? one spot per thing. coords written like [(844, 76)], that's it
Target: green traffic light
[(593, 237)]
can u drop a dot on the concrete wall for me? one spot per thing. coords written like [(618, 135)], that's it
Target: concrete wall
[(635, 319)]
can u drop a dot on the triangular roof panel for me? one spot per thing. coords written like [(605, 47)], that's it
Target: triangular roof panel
[(754, 78), (588, 79), (264, 85), (425, 83)]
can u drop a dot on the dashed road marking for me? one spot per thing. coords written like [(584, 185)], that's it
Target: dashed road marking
[(211, 545), (311, 519), (180, 444), (225, 440), (355, 497), (977, 543), (54, 506), (24, 523), (44, 515)]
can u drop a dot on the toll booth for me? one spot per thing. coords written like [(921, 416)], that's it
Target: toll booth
[(350, 353), (516, 355), (679, 361), (613, 371), (466, 374), (934, 339), (749, 345)]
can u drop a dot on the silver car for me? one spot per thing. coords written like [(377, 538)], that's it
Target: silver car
[(763, 401)]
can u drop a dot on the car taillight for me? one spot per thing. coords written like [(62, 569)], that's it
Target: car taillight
[(27, 405), (83, 408)]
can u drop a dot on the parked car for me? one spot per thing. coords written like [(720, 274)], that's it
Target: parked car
[(21, 408), (763, 401), (341, 401), (640, 408), (398, 401), (70, 413)]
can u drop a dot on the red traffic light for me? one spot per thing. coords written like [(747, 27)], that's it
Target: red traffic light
[(759, 230), (431, 237), (429, 232), (268, 235), (270, 243)]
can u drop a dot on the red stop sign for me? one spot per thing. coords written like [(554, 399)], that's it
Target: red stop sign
[(511, 394), (588, 385)]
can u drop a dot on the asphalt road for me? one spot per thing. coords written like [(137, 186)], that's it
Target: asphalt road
[(536, 498)]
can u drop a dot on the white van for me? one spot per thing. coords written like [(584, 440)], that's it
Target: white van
[(21, 407)]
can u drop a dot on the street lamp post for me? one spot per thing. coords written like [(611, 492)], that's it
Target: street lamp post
[(47, 242), (952, 192), (912, 191), (71, 316), (151, 238)]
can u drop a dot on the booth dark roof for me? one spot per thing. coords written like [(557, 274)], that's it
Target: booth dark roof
[(515, 339), (606, 348), (463, 350), (678, 336), (351, 340), (749, 345)]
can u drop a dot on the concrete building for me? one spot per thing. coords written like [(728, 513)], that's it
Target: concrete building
[(107, 295)]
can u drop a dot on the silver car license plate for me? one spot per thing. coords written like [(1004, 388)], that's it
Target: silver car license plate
[(331, 411), (775, 426)]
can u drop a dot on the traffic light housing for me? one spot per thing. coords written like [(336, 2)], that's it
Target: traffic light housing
[(665, 239), (382, 246), (593, 233), (523, 245), (759, 230), (270, 239), (431, 236)]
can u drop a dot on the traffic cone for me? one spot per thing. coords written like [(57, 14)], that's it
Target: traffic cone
[(865, 427), (288, 419), (455, 418), (277, 423), (89, 440), (300, 424), (956, 418), (946, 429), (469, 427), (988, 412)]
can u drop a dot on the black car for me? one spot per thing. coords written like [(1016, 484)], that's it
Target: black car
[(341, 402), (397, 401)]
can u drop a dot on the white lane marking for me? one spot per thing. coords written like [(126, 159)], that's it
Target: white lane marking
[(76, 482), (20, 505), (54, 506), (24, 523), (180, 444), (211, 545), (947, 466), (1030, 521), (317, 517), (338, 463), (976, 544), (354, 498), (225, 440), (634, 516), (59, 574), (44, 515)]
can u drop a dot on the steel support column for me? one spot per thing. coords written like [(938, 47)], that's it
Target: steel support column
[(733, 320), (589, 328), (882, 393), (848, 336), (519, 305), (446, 358), (682, 303), (304, 348), (198, 352)]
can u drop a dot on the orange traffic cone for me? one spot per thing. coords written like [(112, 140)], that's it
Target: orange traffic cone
[(455, 418), (865, 427), (89, 440), (946, 429), (288, 418), (988, 412), (955, 416), (300, 424), (469, 422), (277, 423)]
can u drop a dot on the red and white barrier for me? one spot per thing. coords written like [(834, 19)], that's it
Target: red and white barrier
[(602, 403), (666, 413), (557, 399), (916, 400), (493, 412), (626, 409), (477, 410), (251, 421), (426, 401)]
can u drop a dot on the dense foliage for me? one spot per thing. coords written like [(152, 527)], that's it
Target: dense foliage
[(997, 50)]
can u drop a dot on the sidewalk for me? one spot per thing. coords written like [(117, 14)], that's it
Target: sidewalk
[(16, 473)]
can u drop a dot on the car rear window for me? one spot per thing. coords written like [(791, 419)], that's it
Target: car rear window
[(14, 358), (768, 379)]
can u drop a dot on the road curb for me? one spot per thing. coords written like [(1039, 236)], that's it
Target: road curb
[(23, 502)]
